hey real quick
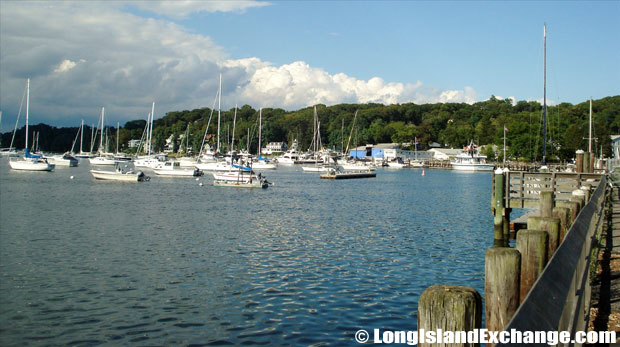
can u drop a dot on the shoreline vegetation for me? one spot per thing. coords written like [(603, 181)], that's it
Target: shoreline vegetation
[(450, 125)]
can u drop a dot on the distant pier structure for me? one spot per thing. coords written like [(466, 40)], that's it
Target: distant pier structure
[(543, 282)]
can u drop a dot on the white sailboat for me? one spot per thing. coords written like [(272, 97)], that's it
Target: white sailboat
[(9, 151), (30, 162), (262, 163), (102, 159), (150, 160)]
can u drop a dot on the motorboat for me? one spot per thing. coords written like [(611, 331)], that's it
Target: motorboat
[(174, 169), (471, 160)]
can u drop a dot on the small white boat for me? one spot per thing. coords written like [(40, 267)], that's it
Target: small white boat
[(173, 169), (8, 152), (64, 160), (120, 175), (237, 175), (102, 160), (263, 165), (31, 164), (253, 182), (471, 160)]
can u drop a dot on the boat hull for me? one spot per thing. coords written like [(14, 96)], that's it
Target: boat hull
[(31, 165), (117, 176), (348, 175), (178, 173), (240, 184), (472, 167)]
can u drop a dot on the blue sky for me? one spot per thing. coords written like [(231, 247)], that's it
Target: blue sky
[(292, 54)]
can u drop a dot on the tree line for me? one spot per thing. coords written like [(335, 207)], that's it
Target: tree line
[(451, 125)]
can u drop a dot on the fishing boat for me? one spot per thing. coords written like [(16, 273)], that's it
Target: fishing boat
[(470, 159), (120, 175), (30, 162), (174, 169)]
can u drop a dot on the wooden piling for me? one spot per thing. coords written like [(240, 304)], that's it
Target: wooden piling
[(563, 213), (449, 308), (499, 209), (502, 269), (546, 203), (579, 161), (549, 225), (586, 162), (533, 247), (574, 210)]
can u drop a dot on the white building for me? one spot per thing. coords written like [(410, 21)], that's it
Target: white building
[(275, 147), (444, 153)]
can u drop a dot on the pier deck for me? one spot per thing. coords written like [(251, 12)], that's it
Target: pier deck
[(605, 309)]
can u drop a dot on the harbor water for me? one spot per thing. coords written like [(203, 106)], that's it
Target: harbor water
[(169, 262)]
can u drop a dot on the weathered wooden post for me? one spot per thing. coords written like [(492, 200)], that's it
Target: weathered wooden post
[(563, 213), (579, 161), (533, 247), (499, 209), (449, 308), (573, 206), (586, 162), (587, 189), (546, 203), (551, 226), (502, 269), (579, 196)]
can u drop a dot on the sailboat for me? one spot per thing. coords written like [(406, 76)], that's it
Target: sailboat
[(101, 158), (9, 151), (30, 162), (150, 160), (67, 159), (320, 164), (82, 154), (262, 163)]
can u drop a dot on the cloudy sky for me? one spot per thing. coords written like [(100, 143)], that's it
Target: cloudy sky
[(81, 56)]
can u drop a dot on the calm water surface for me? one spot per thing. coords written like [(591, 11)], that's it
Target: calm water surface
[(168, 262)]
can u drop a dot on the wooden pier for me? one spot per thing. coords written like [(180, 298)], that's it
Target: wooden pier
[(544, 283)]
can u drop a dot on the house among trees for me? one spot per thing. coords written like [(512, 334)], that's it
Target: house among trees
[(133, 143)]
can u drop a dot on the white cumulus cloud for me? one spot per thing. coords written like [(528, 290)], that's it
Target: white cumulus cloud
[(84, 55)]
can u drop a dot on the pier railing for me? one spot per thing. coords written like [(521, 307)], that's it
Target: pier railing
[(559, 299), (523, 188)]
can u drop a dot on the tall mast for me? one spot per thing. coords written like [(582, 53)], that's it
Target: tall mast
[(151, 127), (27, 109), (260, 129), (590, 130), (232, 146), (544, 158), (118, 129), (81, 136), (101, 137), (219, 115)]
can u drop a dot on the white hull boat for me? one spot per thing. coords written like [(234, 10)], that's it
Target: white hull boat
[(64, 160), (119, 175), (102, 161), (173, 169), (471, 160), (31, 164)]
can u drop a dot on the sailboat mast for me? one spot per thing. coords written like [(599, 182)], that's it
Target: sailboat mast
[(118, 129), (544, 158), (27, 109), (151, 127), (81, 136), (590, 130), (101, 138), (232, 146), (260, 129), (219, 115)]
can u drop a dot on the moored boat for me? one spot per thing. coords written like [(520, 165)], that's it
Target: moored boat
[(471, 160), (120, 175)]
